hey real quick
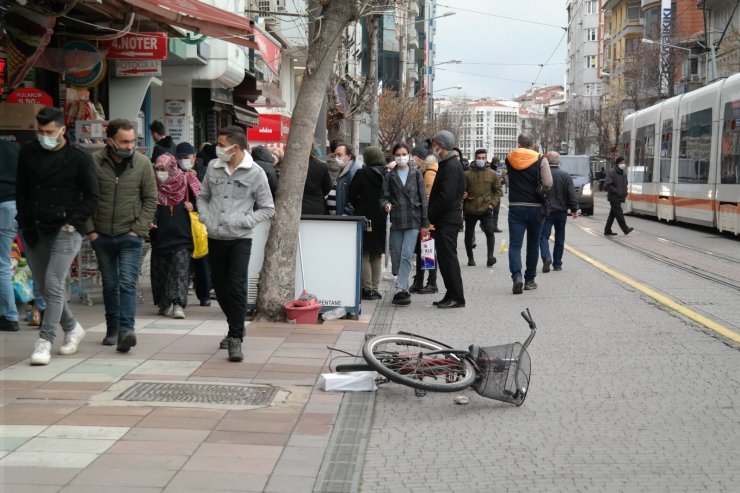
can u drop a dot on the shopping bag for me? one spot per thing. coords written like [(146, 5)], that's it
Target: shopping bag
[(427, 253), (200, 236), (23, 283)]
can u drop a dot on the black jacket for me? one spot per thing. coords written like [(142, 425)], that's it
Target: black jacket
[(54, 188), (447, 192), (163, 146), (562, 195), (8, 170), (263, 158), (318, 185), (365, 191), (616, 185)]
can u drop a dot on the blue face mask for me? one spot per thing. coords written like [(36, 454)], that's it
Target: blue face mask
[(481, 163)]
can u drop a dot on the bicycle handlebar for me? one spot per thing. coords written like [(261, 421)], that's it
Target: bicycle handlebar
[(533, 326)]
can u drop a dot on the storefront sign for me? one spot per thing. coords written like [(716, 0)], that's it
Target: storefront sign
[(29, 95), (139, 46), (271, 128), (220, 95), (269, 51), (175, 107), (176, 120), (85, 78), (138, 68)]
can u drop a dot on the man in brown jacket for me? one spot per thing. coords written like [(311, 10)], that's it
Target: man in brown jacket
[(482, 195)]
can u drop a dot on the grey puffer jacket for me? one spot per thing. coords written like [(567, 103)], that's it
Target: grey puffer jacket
[(230, 205)]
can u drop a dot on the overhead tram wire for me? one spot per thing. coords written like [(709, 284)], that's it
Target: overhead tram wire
[(549, 58), (501, 16)]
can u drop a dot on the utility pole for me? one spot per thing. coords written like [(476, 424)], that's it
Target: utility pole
[(374, 32)]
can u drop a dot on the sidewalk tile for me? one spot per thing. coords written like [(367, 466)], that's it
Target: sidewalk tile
[(37, 475), (87, 432), (234, 450), (71, 445), (289, 484), (20, 430), (160, 367), (102, 476), (115, 410), (166, 435), (190, 412), (45, 459), (305, 441), (247, 437), (162, 447), (168, 462), (178, 422), (248, 465), (77, 419), (10, 443), (35, 488), (215, 481), (24, 370), (254, 425), (78, 488)]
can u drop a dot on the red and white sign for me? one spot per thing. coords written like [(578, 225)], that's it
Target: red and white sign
[(269, 51), (29, 95), (272, 128), (138, 68), (139, 46)]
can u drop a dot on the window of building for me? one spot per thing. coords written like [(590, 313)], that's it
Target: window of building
[(591, 34), (633, 11), (592, 7), (591, 61)]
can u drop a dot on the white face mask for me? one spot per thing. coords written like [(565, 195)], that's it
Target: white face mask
[(481, 163), (621, 166), (221, 153), (185, 164), (402, 161), (342, 161), (49, 142), (162, 175)]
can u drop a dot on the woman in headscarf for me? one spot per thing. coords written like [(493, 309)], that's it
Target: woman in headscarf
[(171, 236)]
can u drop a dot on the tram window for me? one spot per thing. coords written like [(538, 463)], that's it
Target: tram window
[(666, 148), (626, 136), (645, 152), (730, 164), (695, 147)]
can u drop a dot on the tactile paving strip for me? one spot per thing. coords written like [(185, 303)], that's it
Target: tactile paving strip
[(200, 393)]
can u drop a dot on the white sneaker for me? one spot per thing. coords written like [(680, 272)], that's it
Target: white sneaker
[(178, 312), (41, 352), (165, 311), (72, 339)]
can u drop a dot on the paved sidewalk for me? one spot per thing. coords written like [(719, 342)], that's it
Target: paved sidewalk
[(63, 430)]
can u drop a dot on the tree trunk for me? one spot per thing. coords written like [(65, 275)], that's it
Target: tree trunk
[(277, 281)]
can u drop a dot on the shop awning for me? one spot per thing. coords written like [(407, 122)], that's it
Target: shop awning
[(198, 17), (246, 116)]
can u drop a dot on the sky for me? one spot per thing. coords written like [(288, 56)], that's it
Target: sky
[(486, 37)]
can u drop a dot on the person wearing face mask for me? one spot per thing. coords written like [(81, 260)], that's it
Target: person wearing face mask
[(234, 198), (128, 200), (56, 193), (482, 195), (445, 213), (187, 160), (317, 186), (616, 188), (337, 202), (405, 199), (171, 236)]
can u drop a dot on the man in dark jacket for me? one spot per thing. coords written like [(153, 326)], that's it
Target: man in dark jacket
[(128, 201), (263, 157), (317, 187), (616, 188), (8, 229), (56, 194), (527, 169), (562, 196), (163, 142), (445, 214)]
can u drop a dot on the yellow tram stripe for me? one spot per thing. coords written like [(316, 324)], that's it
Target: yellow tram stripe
[(660, 298)]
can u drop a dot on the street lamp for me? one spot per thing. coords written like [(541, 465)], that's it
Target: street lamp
[(665, 76), (448, 88), (652, 42)]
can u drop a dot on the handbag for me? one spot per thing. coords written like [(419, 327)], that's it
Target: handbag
[(541, 189), (198, 230), (427, 252)]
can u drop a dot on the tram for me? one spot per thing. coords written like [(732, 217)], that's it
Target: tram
[(684, 157)]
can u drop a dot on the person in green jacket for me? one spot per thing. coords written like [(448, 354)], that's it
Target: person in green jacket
[(482, 195), (128, 200)]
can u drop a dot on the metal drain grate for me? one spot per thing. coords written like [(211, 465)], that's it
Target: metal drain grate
[(200, 393)]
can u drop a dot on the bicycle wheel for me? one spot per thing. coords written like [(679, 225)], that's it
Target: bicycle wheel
[(419, 363), (354, 367)]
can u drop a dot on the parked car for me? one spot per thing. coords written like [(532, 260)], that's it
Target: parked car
[(579, 168)]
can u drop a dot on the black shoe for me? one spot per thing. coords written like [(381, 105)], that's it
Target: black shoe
[(429, 289), (205, 303), (235, 349), (452, 304), (401, 298), (517, 289), (416, 286), (609, 233), (471, 262), (474, 245), (441, 302), (110, 340), (8, 325), (375, 295), (629, 230), (224, 344), (491, 260), (556, 269), (546, 265), (126, 340), (529, 285), (367, 294), (497, 231)]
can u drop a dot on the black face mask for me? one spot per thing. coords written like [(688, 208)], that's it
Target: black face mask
[(122, 153)]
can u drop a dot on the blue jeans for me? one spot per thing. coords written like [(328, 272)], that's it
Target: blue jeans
[(51, 259), (8, 229), (118, 261), (402, 253), (524, 220), (558, 220)]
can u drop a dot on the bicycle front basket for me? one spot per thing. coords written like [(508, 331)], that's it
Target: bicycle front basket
[(504, 373)]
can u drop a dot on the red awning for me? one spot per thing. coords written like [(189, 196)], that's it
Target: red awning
[(198, 17)]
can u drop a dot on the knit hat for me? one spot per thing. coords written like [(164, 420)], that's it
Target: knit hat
[(184, 149), (373, 156), (420, 151), (445, 139)]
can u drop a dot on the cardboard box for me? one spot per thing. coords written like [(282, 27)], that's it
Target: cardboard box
[(15, 116)]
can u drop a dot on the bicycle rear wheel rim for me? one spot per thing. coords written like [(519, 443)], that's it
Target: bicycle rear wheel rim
[(442, 372)]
